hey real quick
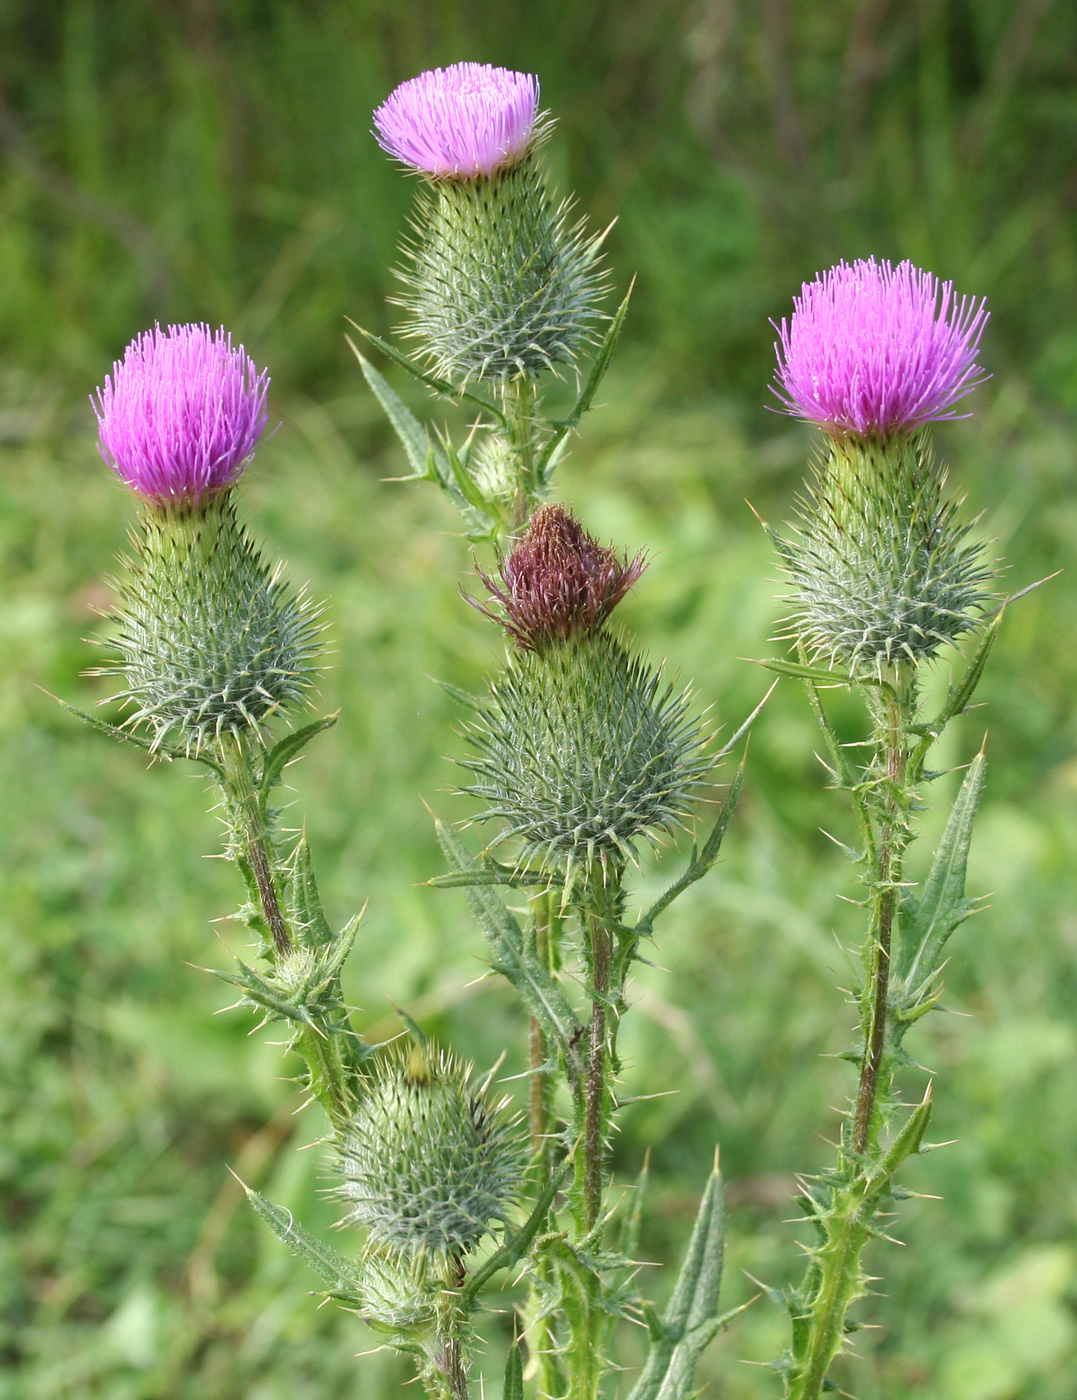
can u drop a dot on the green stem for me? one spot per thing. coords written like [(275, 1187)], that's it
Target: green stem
[(323, 1046), (446, 1377), (257, 839), (519, 404), (597, 1105), (835, 1280), (890, 851)]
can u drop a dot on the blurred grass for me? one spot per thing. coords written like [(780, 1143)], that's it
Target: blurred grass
[(211, 160)]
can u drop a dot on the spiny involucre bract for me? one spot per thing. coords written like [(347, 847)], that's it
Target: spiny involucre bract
[(211, 639), (582, 752), (883, 570), (498, 283), (430, 1161)]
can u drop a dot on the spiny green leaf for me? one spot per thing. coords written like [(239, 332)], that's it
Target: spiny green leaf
[(514, 1373), (304, 901), (691, 1319), (282, 753), (818, 675), (551, 452), (441, 387), (700, 862), (926, 922), (512, 958), (342, 1275), (519, 1241), (114, 731), (428, 461)]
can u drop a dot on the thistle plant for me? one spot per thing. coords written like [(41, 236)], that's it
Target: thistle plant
[(501, 289), (579, 757), (885, 577)]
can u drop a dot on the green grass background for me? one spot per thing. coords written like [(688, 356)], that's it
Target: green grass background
[(211, 159)]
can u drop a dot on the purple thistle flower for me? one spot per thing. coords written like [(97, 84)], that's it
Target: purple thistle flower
[(559, 582), (460, 122), (873, 349), (181, 413)]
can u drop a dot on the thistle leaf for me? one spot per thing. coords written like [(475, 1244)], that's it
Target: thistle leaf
[(282, 753), (518, 1243), (552, 451), (441, 387), (514, 1373), (692, 1318), (428, 461), (114, 731), (512, 958), (701, 860), (818, 675), (341, 1274), (925, 923)]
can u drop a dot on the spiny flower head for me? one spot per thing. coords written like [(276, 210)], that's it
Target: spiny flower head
[(429, 1159), (460, 122), (559, 582), (181, 413), (873, 349)]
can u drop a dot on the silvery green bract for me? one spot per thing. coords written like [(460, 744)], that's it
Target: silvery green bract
[(883, 570), (498, 282), (212, 640), (429, 1161), (584, 751)]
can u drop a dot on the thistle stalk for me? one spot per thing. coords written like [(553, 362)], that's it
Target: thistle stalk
[(256, 837), (899, 708), (884, 575)]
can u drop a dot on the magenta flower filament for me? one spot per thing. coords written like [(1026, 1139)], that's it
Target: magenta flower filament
[(873, 349), (181, 413), (460, 122)]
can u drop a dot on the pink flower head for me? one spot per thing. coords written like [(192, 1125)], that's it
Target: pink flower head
[(460, 122), (873, 349), (180, 413)]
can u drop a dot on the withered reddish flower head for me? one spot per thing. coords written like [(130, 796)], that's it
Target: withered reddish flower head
[(559, 583)]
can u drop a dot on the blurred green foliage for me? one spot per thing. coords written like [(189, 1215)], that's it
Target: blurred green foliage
[(211, 159)]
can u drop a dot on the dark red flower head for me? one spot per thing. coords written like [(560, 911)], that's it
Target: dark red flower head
[(559, 583)]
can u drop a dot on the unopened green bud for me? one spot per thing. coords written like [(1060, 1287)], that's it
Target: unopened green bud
[(429, 1161), (883, 571), (211, 638)]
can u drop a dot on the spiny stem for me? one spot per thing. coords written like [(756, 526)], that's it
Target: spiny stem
[(519, 399), (598, 1089), (890, 850), (257, 841), (449, 1360), (540, 1097)]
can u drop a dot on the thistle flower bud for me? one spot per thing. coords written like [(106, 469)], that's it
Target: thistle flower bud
[(498, 283), (429, 1160), (181, 413), (211, 639), (874, 350), (883, 570), (559, 582)]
